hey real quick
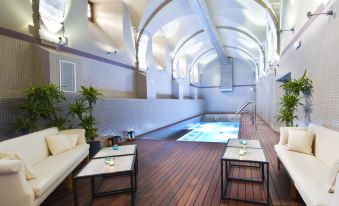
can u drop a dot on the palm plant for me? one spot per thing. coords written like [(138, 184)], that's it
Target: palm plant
[(41, 102), (290, 101), (82, 108), (91, 95)]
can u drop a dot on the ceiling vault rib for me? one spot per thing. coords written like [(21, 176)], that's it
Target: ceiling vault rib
[(219, 27), (187, 40), (231, 47), (142, 30), (196, 59), (274, 19), (201, 9)]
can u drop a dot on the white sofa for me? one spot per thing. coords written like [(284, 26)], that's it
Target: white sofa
[(50, 170), (310, 173)]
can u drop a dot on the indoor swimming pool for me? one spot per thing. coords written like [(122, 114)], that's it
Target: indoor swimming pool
[(212, 132)]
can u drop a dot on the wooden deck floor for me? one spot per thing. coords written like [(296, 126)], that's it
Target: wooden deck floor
[(188, 173)]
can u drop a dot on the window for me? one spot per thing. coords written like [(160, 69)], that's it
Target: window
[(67, 76), (90, 12)]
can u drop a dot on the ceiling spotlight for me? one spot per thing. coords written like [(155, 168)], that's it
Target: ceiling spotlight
[(329, 13), (283, 30)]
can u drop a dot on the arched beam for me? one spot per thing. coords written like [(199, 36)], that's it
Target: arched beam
[(225, 46), (185, 41), (196, 59), (154, 13), (274, 19), (226, 28)]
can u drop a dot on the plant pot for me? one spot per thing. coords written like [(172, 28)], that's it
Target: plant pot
[(94, 147)]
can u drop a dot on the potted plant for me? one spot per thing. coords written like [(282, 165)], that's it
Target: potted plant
[(41, 103), (291, 99), (82, 108)]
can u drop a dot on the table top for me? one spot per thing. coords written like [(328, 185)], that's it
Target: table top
[(98, 167), (252, 155), (109, 152), (249, 143)]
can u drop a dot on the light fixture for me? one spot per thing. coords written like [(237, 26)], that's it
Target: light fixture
[(310, 14), (297, 45), (283, 30), (110, 53)]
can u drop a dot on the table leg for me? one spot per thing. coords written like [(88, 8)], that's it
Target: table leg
[(268, 182), (93, 186), (222, 179), (137, 162), (263, 172), (132, 190), (75, 193)]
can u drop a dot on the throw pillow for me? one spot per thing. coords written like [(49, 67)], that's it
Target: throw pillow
[(284, 133), (300, 141), (73, 139), (58, 143), (332, 177), (29, 171)]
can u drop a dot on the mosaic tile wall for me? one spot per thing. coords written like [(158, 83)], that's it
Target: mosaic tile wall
[(319, 56), (23, 64)]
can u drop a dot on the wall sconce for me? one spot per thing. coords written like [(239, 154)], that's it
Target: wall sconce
[(283, 30), (297, 45), (329, 13), (110, 53)]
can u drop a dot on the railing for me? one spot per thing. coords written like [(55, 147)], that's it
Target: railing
[(253, 113)]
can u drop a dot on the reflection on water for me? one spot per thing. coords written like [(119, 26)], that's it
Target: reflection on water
[(212, 132)]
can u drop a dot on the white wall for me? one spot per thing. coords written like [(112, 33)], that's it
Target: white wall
[(318, 55), (294, 16), (215, 101)]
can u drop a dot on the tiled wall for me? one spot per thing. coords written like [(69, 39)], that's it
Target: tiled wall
[(18, 66), (23, 64), (319, 56)]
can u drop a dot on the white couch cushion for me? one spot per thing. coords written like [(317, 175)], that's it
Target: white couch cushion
[(50, 169), (72, 138), (80, 132), (32, 147), (284, 133), (58, 143), (309, 175), (300, 141), (326, 144)]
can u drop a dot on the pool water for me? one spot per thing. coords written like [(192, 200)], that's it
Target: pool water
[(212, 132)]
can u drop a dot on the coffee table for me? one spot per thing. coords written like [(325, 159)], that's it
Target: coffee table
[(122, 151), (253, 155), (250, 143), (124, 166)]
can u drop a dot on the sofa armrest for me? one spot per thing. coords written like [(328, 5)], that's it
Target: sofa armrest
[(13, 184), (9, 167), (80, 132), (336, 193)]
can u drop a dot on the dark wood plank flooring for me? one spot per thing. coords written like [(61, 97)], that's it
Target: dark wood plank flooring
[(188, 173)]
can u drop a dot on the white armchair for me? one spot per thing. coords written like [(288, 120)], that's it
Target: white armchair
[(14, 188)]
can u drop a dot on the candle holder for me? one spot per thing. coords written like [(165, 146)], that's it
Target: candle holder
[(110, 161), (115, 147)]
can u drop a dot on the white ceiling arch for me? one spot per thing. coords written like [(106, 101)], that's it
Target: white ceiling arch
[(246, 23)]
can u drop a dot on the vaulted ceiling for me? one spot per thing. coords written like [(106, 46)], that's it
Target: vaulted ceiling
[(246, 29)]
